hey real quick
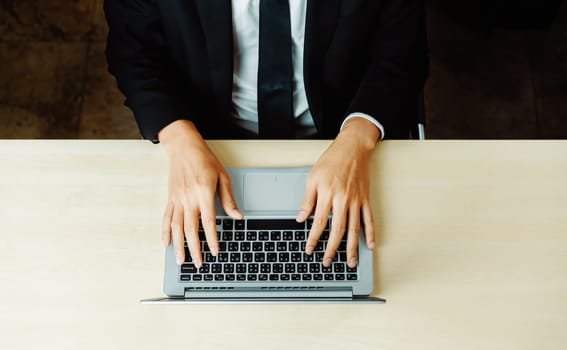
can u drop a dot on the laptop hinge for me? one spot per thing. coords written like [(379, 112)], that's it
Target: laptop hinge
[(269, 293)]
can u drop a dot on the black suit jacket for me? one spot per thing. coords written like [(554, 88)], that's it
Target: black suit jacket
[(173, 60)]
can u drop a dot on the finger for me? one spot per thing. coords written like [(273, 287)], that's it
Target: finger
[(166, 226), (352, 235), (177, 231), (368, 219), (192, 235), (338, 224), (208, 218), (308, 202), (320, 220), (227, 200)]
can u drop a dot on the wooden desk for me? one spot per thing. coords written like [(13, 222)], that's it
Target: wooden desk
[(472, 251)]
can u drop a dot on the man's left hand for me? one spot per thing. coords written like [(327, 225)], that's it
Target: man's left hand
[(339, 183)]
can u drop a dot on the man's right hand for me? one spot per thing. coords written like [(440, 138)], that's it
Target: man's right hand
[(195, 174)]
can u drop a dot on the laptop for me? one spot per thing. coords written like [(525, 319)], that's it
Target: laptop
[(262, 257)]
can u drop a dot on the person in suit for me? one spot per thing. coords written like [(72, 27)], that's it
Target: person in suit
[(347, 70)]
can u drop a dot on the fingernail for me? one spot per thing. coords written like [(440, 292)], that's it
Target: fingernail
[(214, 251), (309, 249), (198, 264), (352, 262), (327, 262), (300, 216)]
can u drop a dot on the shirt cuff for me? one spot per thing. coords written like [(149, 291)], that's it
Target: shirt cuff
[(367, 117)]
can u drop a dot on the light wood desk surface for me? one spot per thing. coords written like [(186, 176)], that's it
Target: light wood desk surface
[(472, 251)]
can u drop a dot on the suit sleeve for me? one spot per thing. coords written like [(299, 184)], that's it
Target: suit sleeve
[(137, 56), (397, 68)]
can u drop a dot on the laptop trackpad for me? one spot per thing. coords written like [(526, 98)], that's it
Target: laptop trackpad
[(273, 191)]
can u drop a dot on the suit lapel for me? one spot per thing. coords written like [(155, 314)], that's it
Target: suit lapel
[(216, 20), (321, 22)]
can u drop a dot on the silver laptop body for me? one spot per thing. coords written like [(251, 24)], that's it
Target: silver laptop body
[(266, 195)]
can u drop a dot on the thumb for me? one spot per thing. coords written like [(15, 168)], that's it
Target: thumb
[(227, 200), (308, 202)]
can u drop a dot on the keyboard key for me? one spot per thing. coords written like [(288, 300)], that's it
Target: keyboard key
[(185, 278), (339, 267), (263, 277), (216, 268), (314, 267), (245, 246), (222, 246), (275, 235), (259, 257), (318, 277), (287, 235), (284, 277), (253, 268), (300, 235), (351, 269), (326, 269), (325, 235), (283, 257), (219, 277), (227, 236), (320, 247), (251, 277), (228, 268), (257, 246), (342, 256), (263, 235), (241, 277), (269, 246), (306, 277), (251, 236), (227, 224), (277, 268), (218, 222), (247, 257), (282, 224), (234, 257), (293, 246), (352, 276), (329, 277), (307, 258), (187, 255), (202, 236), (229, 277), (239, 236), (208, 277), (274, 277), (239, 224), (232, 246), (223, 257), (205, 268), (303, 244), (197, 278), (265, 268), (240, 268), (302, 268), (342, 246), (281, 246), (319, 256), (296, 277), (340, 277), (272, 257), (296, 257), (289, 268), (210, 258), (188, 268)]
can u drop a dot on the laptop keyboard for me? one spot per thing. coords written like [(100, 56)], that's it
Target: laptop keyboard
[(253, 250)]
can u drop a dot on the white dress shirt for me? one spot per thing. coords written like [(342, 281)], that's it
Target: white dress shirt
[(245, 22)]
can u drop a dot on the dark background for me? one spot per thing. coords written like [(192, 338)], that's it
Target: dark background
[(498, 69)]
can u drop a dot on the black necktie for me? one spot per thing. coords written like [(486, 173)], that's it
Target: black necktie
[(275, 72)]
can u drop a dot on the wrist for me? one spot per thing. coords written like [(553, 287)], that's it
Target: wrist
[(361, 131), (179, 132)]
